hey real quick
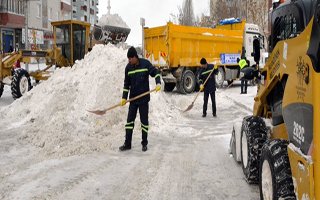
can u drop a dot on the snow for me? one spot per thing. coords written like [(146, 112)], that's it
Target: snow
[(112, 20), (53, 148)]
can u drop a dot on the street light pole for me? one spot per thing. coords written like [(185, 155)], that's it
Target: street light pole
[(246, 10), (142, 23), (26, 24), (26, 31)]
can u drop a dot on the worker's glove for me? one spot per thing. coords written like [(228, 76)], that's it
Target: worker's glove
[(201, 87), (158, 87), (216, 67), (123, 102)]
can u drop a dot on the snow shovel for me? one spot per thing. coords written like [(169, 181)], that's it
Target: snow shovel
[(191, 105), (102, 112)]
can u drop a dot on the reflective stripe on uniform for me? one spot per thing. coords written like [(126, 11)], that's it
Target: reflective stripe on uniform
[(145, 128), (125, 90), (158, 75), (137, 71), (129, 125), (207, 72)]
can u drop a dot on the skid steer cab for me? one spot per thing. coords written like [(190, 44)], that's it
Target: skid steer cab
[(71, 43), (285, 158)]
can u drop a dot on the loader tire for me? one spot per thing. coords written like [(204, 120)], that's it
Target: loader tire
[(168, 87), (220, 77), (188, 82), (253, 136), (1, 88), (21, 83), (275, 181)]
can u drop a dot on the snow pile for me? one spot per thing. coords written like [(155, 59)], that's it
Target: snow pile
[(53, 115), (112, 20)]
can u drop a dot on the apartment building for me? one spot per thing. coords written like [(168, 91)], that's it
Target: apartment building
[(15, 15), (12, 20), (85, 10)]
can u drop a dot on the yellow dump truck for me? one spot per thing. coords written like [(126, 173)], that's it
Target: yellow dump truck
[(177, 51)]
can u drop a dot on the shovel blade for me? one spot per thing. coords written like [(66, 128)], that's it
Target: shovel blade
[(189, 107), (97, 112)]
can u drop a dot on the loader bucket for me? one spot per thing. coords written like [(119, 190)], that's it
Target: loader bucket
[(110, 34)]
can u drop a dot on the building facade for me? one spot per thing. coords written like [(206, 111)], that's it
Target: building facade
[(37, 15), (85, 10), (12, 20)]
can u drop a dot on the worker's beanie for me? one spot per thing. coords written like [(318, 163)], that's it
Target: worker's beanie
[(132, 52), (203, 61)]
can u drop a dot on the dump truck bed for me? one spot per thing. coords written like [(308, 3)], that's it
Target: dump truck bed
[(175, 45)]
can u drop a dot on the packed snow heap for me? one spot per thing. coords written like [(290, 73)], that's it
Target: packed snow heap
[(53, 115), (112, 20)]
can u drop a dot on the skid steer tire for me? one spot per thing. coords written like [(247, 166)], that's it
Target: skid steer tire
[(1, 88), (168, 87), (253, 136), (275, 181), (21, 83)]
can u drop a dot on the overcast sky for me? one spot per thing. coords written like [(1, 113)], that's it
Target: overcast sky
[(155, 12)]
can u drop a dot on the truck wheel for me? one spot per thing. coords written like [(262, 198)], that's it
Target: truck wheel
[(253, 136), (275, 181), (220, 77), (21, 83), (1, 88), (187, 83), (168, 87)]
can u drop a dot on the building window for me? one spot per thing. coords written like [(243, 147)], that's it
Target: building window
[(85, 18), (50, 13), (38, 10), (10, 5), (84, 8)]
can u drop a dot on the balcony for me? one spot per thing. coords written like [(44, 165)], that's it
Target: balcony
[(66, 7), (11, 20)]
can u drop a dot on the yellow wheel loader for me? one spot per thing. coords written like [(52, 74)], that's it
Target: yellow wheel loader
[(284, 159), (71, 42)]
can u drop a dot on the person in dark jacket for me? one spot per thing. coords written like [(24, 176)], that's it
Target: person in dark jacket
[(209, 87), (136, 82)]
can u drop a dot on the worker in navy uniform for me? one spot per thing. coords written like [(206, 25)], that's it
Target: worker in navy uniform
[(244, 82), (136, 82), (209, 87)]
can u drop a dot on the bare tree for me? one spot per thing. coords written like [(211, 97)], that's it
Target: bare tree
[(177, 18), (253, 11), (225, 9), (187, 13)]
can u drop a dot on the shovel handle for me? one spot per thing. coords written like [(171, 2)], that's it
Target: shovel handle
[(141, 95), (102, 112)]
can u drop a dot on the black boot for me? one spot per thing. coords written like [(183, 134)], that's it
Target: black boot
[(124, 147), (204, 115), (144, 148)]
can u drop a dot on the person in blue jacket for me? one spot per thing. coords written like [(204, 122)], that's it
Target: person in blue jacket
[(209, 87), (136, 82)]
